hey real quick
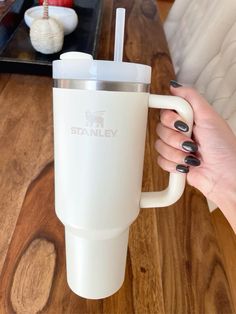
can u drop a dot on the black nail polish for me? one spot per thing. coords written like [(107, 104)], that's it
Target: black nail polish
[(181, 126), (189, 147), (175, 84), (182, 168), (192, 161)]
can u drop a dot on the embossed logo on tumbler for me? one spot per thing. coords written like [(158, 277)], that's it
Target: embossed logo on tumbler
[(94, 126)]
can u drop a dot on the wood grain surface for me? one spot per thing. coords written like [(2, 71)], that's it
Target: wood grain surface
[(175, 262)]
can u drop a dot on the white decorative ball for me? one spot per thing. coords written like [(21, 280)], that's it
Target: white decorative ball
[(46, 35)]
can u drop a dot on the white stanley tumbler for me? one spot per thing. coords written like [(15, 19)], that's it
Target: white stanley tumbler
[(100, 115)]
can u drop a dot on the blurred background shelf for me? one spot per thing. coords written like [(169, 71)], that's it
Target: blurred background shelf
[(16, 52)]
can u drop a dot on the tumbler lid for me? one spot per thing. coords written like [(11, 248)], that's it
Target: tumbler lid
[(95, 268), (75, 65)]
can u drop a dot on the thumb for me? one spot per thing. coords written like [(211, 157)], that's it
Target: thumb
[(201, 108)]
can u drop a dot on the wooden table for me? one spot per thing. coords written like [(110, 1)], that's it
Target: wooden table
[(174, 262)]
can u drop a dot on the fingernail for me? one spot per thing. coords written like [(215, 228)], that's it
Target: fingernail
[(189, 146), (175, 84), (181, 126), (182, 168), (192, 161)]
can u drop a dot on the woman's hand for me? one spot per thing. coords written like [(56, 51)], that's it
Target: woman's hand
[(209, 158)]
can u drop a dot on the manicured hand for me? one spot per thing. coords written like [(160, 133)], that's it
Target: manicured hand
[(209, 158)]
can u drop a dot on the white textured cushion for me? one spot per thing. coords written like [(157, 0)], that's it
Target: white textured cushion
[(195, 30), (217, 81)]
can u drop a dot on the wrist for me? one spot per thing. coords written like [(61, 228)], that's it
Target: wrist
[(226, 201)]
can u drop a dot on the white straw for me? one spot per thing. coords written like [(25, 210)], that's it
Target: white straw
[(119, 34)]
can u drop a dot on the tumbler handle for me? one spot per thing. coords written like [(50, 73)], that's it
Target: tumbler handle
[(176, 180)]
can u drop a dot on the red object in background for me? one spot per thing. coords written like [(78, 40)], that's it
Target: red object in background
[(60, 3)]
